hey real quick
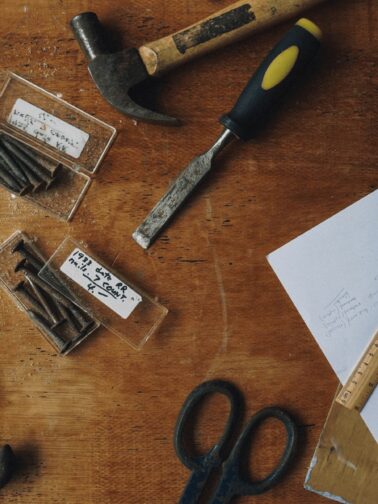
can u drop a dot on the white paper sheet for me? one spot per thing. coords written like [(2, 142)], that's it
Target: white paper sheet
[(331, 275)]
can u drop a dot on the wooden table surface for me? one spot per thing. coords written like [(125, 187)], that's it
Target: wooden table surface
[(96, 427)]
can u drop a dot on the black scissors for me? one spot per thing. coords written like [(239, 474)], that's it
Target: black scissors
[(231, 483)]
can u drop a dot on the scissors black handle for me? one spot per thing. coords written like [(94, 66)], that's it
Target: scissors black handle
[(202, 465), (232, 482)]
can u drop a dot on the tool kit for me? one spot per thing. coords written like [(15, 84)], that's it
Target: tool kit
[(72, 294), (116, 71), (49, 149)]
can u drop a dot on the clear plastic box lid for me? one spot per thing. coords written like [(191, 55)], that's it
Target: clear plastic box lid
[(118, 304), (52, 126)]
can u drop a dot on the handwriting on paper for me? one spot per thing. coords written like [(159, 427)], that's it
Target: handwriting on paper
[(342, 311), (47, 128), (101, 283), (331, 274)]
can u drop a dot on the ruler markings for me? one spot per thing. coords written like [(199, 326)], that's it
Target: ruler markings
[(362, 381)]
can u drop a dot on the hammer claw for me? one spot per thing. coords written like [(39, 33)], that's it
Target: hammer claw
[(137, 112), (115, 73)]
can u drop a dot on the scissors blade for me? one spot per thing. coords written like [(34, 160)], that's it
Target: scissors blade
[(232, 483), (196, 484), (227, 487)]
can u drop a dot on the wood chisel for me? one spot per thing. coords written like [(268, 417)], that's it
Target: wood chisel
[(259, 99)]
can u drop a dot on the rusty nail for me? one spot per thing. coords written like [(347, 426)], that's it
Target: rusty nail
[(22, 249), (49, 165), (36, 182), (9, 178), (38, 170), (12, 164), (30, 300), (68, 317), (82, 320), (39, 294), (50, 290), (60, 344)]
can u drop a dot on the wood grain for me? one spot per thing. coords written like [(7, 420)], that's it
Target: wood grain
[(96, 427)]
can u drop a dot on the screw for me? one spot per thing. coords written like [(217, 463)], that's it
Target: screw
[(20, 247), (7, 464), (60, 344)]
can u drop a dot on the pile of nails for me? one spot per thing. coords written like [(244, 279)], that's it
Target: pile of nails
[(61, 321), (22, 169)]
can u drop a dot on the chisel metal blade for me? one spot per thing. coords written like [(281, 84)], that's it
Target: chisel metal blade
[(179, 191)]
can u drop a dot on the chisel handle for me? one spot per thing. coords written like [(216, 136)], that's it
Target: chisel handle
[(283, 65)]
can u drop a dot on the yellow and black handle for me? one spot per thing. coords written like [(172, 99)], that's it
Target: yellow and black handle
[(275, 75)]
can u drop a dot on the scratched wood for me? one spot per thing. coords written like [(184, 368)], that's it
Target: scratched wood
[(96, 427)]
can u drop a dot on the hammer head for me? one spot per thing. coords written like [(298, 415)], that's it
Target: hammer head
[(114, 73)]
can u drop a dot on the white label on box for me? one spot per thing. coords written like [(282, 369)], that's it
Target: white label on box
[(102, 284), (49, 129)]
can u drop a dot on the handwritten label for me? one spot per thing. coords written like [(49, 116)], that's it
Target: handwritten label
[(49, 129), (102, 284)]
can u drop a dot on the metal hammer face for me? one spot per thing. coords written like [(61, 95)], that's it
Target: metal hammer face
[(114, 73)]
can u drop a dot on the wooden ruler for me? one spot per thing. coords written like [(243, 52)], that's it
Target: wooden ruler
[(362, 381)]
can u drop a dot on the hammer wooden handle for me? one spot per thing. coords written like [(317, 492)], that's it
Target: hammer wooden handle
[(222, 28)]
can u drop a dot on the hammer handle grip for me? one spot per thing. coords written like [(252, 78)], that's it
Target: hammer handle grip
[(229, 25)]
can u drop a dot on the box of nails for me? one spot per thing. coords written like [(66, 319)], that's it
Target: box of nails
[(120, 305), (71, 294), (50, 305), (49, 149)]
